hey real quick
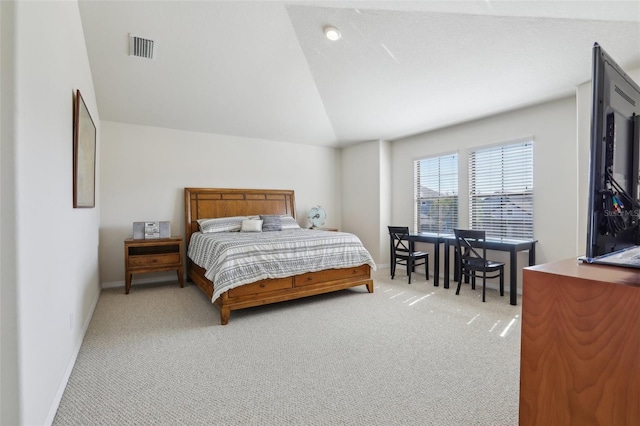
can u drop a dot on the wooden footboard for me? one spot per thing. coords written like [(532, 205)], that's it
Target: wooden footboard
[(200, 203), (281, 289)]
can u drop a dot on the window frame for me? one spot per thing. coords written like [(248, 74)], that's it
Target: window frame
[(510, 212), (450, 172)]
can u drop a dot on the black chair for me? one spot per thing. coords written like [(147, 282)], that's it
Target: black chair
[(471, 252), (402, 252)]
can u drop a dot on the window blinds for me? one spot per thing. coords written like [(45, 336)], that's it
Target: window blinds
[(436, 194), (501, 190)]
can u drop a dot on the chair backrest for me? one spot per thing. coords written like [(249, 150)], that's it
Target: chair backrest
[(399, 242), (470, 245)]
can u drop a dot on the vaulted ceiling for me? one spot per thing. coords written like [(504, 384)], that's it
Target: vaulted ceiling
[(264, 69)]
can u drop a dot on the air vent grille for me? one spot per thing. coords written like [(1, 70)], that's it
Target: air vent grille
[(140, 47), (625, 96)]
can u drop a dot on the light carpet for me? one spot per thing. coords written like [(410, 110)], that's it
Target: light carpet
[(406, 354)]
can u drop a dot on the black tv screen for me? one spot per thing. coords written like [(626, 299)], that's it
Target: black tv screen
[(613, 209)]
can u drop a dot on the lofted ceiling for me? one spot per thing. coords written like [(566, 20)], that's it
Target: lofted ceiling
[(264, 69)]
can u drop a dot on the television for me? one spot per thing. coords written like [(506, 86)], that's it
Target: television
[(614, 191)]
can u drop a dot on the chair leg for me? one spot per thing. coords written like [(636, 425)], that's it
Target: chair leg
[(501, 281), (484, 286), (459, 282), (473, 281), (409, 268), (426, 267)]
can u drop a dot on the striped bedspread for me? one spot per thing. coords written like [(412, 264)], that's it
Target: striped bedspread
[(232, 259)]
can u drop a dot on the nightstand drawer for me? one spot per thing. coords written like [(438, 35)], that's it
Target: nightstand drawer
[(154, 260)]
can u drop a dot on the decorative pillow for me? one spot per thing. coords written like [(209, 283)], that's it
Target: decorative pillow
[(271, 223), (251, 225), (221, 224), (288, 222)]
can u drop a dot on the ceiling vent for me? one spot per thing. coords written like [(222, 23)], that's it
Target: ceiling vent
[(140, 47)]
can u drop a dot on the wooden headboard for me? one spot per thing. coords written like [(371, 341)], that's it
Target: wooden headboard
[(204, 203)]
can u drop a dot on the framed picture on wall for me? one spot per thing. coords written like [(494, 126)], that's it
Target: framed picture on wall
[(84, 155)]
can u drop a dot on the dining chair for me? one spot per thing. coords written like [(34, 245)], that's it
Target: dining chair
[(471, 252), (402, 252)]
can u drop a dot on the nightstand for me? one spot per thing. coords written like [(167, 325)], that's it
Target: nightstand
[(157, 255)]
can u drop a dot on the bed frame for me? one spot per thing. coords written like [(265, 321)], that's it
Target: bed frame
[(203, 203)]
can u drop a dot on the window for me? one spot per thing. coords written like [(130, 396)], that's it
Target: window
[(501, 190), (436, 194)]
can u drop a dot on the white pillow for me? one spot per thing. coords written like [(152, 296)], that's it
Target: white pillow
[(288, 222), (221, 224), (251, 225)]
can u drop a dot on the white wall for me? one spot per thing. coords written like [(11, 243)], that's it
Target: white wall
[(385, 202), (553, 128), (145, 170), (9, 400), (365, 203), (54, 268)]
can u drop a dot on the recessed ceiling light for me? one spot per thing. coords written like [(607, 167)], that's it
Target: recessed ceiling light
[(332, 33)]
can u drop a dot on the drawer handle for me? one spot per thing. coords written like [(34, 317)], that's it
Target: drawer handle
[(263, 285), (309, 279), (355, 271)]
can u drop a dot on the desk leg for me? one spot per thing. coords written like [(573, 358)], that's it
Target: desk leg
[(532, 254), (446, 265), (513, 284), (436, 264)]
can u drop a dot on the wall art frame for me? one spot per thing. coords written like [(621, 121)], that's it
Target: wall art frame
[(84, 155)]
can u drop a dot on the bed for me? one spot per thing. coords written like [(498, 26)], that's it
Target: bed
[(209, 203)]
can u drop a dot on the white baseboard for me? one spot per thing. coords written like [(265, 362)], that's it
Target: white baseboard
[(112, 284), (72, 362)]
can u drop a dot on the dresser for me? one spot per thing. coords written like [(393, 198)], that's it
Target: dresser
[(580, 353)]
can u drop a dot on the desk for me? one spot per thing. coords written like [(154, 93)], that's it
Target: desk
[(436, 239), (499, 244)]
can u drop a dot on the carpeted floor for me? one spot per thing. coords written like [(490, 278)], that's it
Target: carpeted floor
[(406, 354)]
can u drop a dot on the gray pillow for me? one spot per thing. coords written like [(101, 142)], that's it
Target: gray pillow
[(271, 223)]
